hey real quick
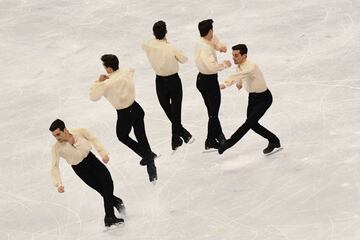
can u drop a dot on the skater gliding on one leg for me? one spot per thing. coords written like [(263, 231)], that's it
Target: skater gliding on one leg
[(207, 79), (75, 147), (164, 59), (119, 89)]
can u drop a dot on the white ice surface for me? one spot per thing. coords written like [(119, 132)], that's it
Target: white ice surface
[(309, 52)]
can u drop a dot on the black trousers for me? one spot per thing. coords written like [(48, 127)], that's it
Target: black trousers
[(133, 117), (208, 86), (257, 106), (98, 177), (169, 92)]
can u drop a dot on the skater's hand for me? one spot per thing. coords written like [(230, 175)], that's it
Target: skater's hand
[(223, 49), (61, 189), (103, 77), (105, 159), (222, 86), (227, 63), (239, 86)]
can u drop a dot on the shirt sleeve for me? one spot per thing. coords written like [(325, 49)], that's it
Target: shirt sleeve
[(180, 56), (210, 61), (55, 171), (217, 44), (130, 73), (94, 141), (97, 90), (238, 77)]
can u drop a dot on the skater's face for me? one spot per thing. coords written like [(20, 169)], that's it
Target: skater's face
[(237, 57), (60, 136)]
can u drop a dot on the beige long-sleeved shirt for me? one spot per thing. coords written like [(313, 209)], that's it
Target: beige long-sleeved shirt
[(205, 55), (163, 56), (74, 154), (119, 89), (249, 76)]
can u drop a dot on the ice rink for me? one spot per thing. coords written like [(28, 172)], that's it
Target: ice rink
[(309, 53)]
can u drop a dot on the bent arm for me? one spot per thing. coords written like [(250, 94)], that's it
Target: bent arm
[(180, 56), (97, 90), (95, 142), (210, 61), (218, 45)]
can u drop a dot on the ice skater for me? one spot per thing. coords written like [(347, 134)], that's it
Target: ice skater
[(207, 79), (119, 89), (251, 78), (75, 147), (164, 59)]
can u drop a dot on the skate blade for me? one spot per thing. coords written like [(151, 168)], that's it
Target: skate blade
[(154, 181), (122, 213), (210, 150), (114, 227), (191, 140), (275, 151)]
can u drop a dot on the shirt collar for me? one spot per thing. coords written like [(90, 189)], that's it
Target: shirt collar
[(113, 72), (161, 40), (74, 134), (243, 65), (206, 41)]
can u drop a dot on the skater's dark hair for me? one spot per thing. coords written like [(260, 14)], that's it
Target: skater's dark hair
[(159, 29), (110, 60), (57, 124), (240, 47), (205, 26)]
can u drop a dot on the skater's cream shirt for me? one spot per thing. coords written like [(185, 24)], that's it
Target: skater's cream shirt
[(118, 89), (74, 154), (249, 76), (163, 56), (205, 55)]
